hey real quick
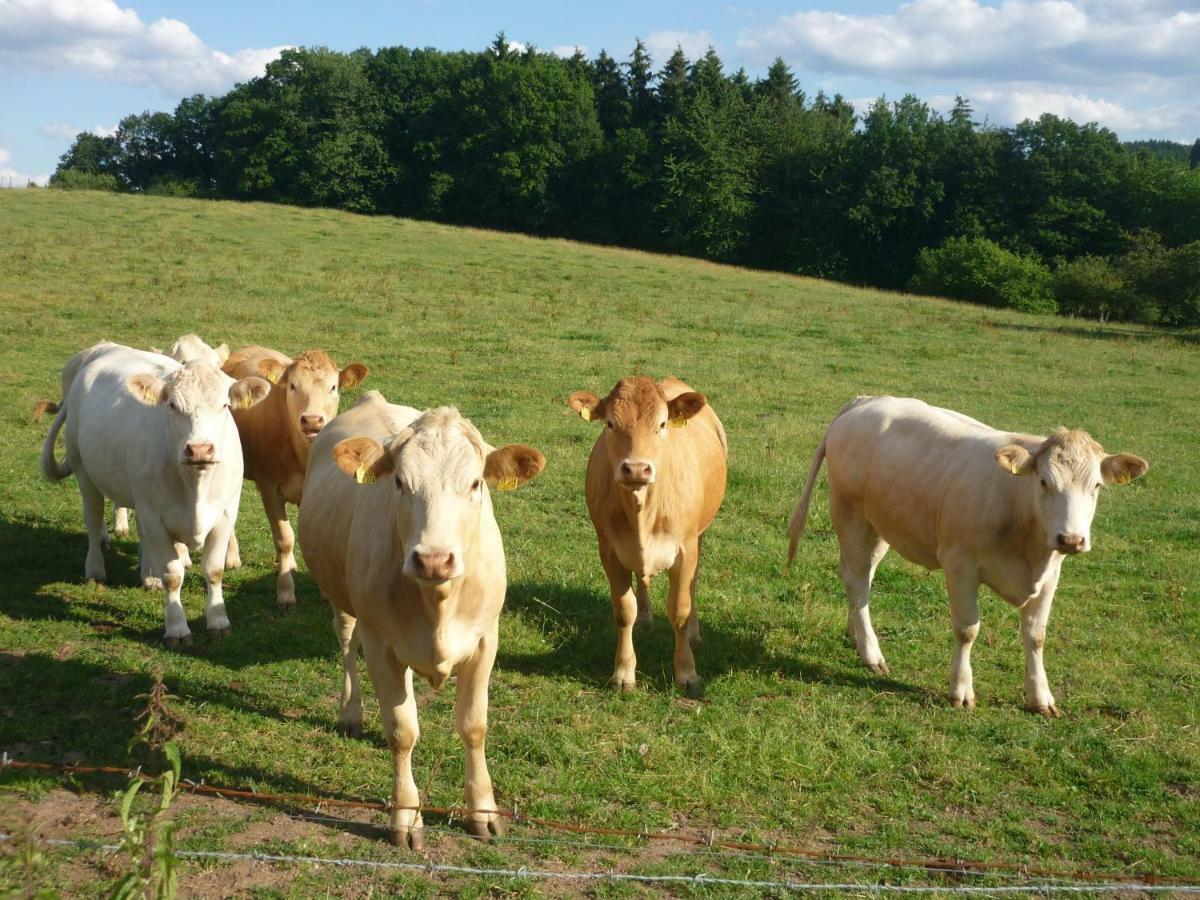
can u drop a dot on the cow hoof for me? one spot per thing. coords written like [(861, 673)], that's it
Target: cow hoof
[(177, 642), (1050, 711), (218, 633), (622, 686), (233, 562), (960, 703), (690, 688), (152, 584), (408, 838), (95, 580), (485, 831), (880, 668), (286, 606), (643, 619), (352, 730)]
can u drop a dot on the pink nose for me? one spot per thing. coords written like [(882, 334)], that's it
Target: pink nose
[(433, 565), (200, 452), (635, 471), (311, 424), (1070, 543)]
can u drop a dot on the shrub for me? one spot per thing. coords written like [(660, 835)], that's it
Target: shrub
[(76, 180), (168, 186), (1174, 284), (981, 271), (1092, 287)]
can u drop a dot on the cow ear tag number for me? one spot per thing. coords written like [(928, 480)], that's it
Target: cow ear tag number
[(507, 484), (364, 476)]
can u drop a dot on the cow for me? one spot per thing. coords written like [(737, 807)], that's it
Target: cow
[(156, 436), (989, 507), (276, 437), (187, 348), (397, 530), (655, 480)]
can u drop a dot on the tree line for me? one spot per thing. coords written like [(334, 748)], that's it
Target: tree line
[(691, 159)]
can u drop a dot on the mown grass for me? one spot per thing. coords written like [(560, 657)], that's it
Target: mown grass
[(793, 740)]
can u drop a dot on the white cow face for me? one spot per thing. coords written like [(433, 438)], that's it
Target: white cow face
[(190, 347), (436, 471), (311, 385), (197, 398), (1070, 467)]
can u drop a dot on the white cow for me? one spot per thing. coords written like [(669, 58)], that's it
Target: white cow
[(156, 436), (947, 492)]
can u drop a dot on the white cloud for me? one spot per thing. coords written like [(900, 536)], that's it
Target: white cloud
[(661, 44), (100, 39), (61, 131), (11, 178), (566, 51)]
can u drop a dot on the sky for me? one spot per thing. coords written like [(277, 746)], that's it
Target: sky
[(1131, 65)]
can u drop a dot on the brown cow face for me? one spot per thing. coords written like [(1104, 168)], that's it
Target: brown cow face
[(312, 384), (1069, 467), (638, 421), (436, 471)]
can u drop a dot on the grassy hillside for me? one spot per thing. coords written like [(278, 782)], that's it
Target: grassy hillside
[(793, 740)]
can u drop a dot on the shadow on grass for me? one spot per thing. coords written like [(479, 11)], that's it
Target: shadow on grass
[(579, 625), (1101, 333)]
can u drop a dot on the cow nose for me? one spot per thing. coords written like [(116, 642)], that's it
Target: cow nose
[(200, 452), (433, 565), (312, 424), (637, 471), (1070, 543)]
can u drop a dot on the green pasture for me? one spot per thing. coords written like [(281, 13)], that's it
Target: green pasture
[(793, 740)]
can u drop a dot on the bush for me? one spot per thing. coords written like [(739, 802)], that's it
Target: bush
[(1092, 287), (75, 180), (167, 186), (1174, 284), (981, 271)]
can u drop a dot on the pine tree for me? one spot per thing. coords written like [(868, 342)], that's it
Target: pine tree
[(640, 70), (780, 85), (673, 84)]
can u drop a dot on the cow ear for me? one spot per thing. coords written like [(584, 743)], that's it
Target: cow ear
[(248, 391), (148, 389), (588, 405), (222, 354), (510, 467), (1015, 459), (352, 375), (363, 458), (271, 369), (1122, 468), (686, 405)]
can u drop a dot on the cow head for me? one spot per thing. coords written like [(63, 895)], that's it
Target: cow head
[(190, 347), (311, 386), (437, 469), (197, 398), (638, 421), (1069, 467)]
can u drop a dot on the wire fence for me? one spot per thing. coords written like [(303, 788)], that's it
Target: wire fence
[(1048, 879)]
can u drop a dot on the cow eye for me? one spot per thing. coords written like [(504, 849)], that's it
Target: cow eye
[(476, 484), (1044, 485), (399, 487), (291, 387), (662, 425), (174, 408), (609, 423), (333, 390)]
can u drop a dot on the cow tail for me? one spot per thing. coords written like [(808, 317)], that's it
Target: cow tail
[(50, 466), (800, 514)]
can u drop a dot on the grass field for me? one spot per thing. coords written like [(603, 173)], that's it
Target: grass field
[(793, 740)]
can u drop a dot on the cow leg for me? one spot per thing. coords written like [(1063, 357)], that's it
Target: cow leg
[(645, 614), (151, 581), (285, 542), (861, 550), (97, 531), (681, 610), (693, 630), (1034, 616), (350, 715), (213, 562), (160, 556), (398, 708), (470, 718), (120, 521), (184, 554), (624, 606), (233, 554), (962, 584)]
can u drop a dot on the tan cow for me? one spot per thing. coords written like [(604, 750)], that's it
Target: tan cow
[(397, 529), (655, 480), (947, 492), (276, 436)]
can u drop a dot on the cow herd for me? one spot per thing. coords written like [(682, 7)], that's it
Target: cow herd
[(397, 530)]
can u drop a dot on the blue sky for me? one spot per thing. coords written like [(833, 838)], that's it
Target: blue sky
[(1131, 65)]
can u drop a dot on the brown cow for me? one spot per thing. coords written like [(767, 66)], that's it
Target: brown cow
[(653, 486), (398, 532), (277, 434)]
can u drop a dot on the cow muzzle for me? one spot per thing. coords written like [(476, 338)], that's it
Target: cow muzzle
[(433, 565), (199, 453), (635, 474), (310, 426), (1070, 544)]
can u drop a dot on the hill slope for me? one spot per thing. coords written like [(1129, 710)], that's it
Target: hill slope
[(794, 741)]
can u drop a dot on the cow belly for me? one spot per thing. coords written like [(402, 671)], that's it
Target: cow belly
[(647, 558), (915, 541)]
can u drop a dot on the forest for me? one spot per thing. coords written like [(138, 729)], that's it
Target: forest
[(1045, 216)]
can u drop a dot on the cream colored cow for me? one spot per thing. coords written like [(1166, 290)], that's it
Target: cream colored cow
[(397, 529), (947, 492), (655, 480)]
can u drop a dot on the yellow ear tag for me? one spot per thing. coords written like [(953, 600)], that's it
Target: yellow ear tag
[(363, 475), (1124, 478), (1016, 469), (679, 422), (507, 484), (273, 377), (585, 414)]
